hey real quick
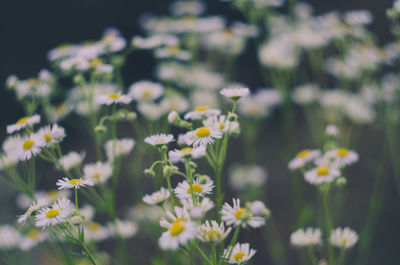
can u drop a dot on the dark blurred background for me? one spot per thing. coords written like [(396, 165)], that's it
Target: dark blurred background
[(29, 29)]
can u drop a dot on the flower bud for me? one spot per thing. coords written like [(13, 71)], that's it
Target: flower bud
[(232, 116), (77, 220), (169, 170), (100, 129), (150, 172), (203, 179), (173, 117), (341, 181)]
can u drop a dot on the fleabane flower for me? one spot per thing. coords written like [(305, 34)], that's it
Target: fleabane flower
[(159, 139), (342, 157), (57, 213), (198, 210), (51, 135), (239, 253), (23, 122), (98, 172), (124, 228), (180, 229), (66, 183), (212, 232), (235, 93), (321, 174), (95, 232), (202, 136), (113, 98), (32, 238), (221, 123), (28, 146), (122, 147), (306, 237), (343, 238), (72, 160), (184, 190), (236, 215), (9, 237), (201, 112), (303, 158), (157, 197), (179, 155), (33, 208), (145, 91)]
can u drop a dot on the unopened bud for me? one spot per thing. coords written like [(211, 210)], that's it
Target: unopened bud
[(169, 170), (203, 179), (100, 129), (150, 172), (341, 181), (232, 116), (173, 117), (131, 116), (77, 220)]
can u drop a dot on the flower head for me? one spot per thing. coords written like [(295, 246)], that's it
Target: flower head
[(28, 146), (145, 91), (72, 160), (122, 147), (98, 172), (304, 157), (212, 232), (321, 174), (51, 135), (23, 122), (201, 112), (202, 136), (306, 237), (239, 253), (157, 197), (159, 139), (343, 238), (113, 98), (237, 215), (235, 93), (58, 212), (66, 183), (187, 152), (184, 190)]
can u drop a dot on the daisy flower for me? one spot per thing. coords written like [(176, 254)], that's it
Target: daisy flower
[(159, 139), (95, 232), (157, 197), (51, 135), (184, 191), (28, 146), (342, 157), (243, 176), (56, 214), (212, 232), (31, 210), (343, 238), (113, 98), (303, 158), (201, 112), (72, 160), (180, 229), (220, 123), (98, 172), (32, 238), (239, 254), (122, 147), (145, 91), (9, 237), (332, 130), (22, 123), (321, 174), (202, 136), (235, 93), (187, 152), (200, 209), (306, 237), (236, 215), (172, 52), (125, 228), (66, 183)]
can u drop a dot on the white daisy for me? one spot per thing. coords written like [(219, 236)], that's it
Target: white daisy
[(184, 191), (172, 52), (145, 91), (159, 139), (57, 213), (187, 152), (321, 174), (22, 123), (9, 237), (174, 103), (202, 136), (125, 228), (235, 93), (122, 147), (113, 98), (8, 160), (28, 146), (342, 157), (201, 112), (51, 135), (66, 183), (343, 238), (303, 158), (306, 237), (95, 232), (98, 172), (72, 160), (332, 130), (237, 215), (157, 197), (200, 209), (220, 123), (239, 254), (180, 229), (243, 176), (212, 232), (32, 238), (30, 211)]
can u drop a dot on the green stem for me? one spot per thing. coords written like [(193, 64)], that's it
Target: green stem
[(312, 256), (203, 255), (328, 221)]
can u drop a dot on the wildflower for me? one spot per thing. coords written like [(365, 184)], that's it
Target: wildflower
[(187, 152), (306, 237), (72, 160), (212, 232), (22, 123), (51, 135), (257, 208), (56, 214), (321, 174), (157, 197), (125, 228), (235, 93), (239, 253), (32, 238), (304, 157), (184, 190), (200, 209), (343, 238), (201, 112), (342, 157), (332, 130), (237, 215), (305, 94), (113, 98), (145, 91), (95, 232), (174, 103), (122, 147), (30, 211), (66, 183), (9, 237), (172, 52), (222, 124), (242, 176), (159, 139), (202, 136), (98, 172), (28, 146)]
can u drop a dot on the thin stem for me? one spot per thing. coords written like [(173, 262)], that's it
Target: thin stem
[(342, 256), (88, 253), (312, 256), (328, 220), (202, 254)]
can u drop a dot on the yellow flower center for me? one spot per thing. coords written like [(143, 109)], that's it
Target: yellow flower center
[(211, 234), (239, 213), (53, 194), (181, 219), (96, 176), (344, 241), (322, 171), (94, 226), (196, 188), (186, 150), (33, 233), (75, 181), (33, 81), (342, 152), (52, 213), (174, 50), (203, 132), (22, 120), (303, 154), (95, 62), (238, 256), (177, 228), (114, 96), (201, 108), (47, 137), (221, 126), (28, 144), (146, 94)]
